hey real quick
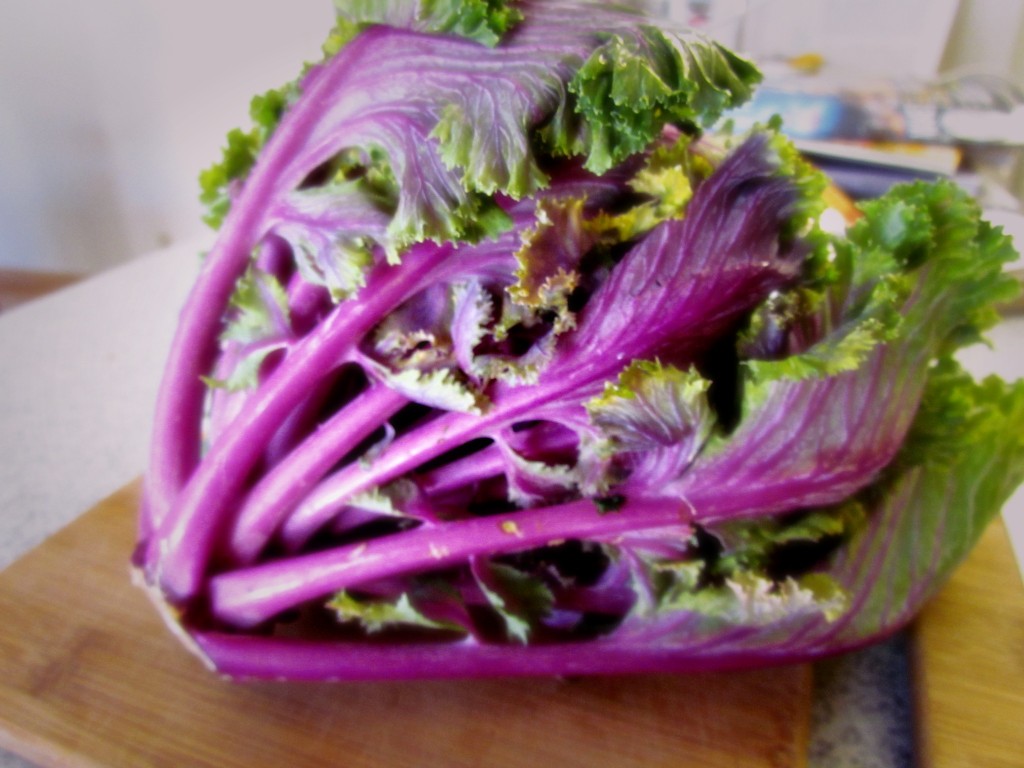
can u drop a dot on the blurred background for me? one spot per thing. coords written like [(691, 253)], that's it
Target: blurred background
[(111, 108)]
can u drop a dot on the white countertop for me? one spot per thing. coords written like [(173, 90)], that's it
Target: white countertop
[(79, 378), (77, 390)]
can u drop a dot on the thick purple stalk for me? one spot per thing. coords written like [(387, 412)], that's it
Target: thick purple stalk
[(251, 596), (280, 168), (294, 429), (224, 404), (187, 536), (256, 657), (199, 514), (273, 496), (405, 454), (176, 427), (490, 462), (306, 302), (482, 465)]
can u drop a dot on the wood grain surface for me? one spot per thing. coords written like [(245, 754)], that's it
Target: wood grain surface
[(89, 676), (968, 661)]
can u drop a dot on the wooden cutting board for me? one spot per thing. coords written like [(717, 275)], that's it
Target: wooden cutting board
[(968, 663), (90, 677)]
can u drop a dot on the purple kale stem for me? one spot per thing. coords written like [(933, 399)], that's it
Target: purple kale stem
[(268, 501), (563, 395), (188, 534), (487, 463), (176, 428), (251, 596), (258, 657), (405, 454), (296, 427), (482, 465), (186, 539), (305, 303), (176, 440)]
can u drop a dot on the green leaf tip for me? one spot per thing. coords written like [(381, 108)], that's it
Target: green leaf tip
[(239, 154), (633, 85), (484, 21)]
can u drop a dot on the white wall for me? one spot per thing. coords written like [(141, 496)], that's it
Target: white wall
[(862, 36), (109, 109)]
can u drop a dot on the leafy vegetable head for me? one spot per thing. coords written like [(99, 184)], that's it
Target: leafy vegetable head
[(505, 362)]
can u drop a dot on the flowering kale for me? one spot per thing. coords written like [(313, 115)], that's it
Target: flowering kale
[(505, 362)]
